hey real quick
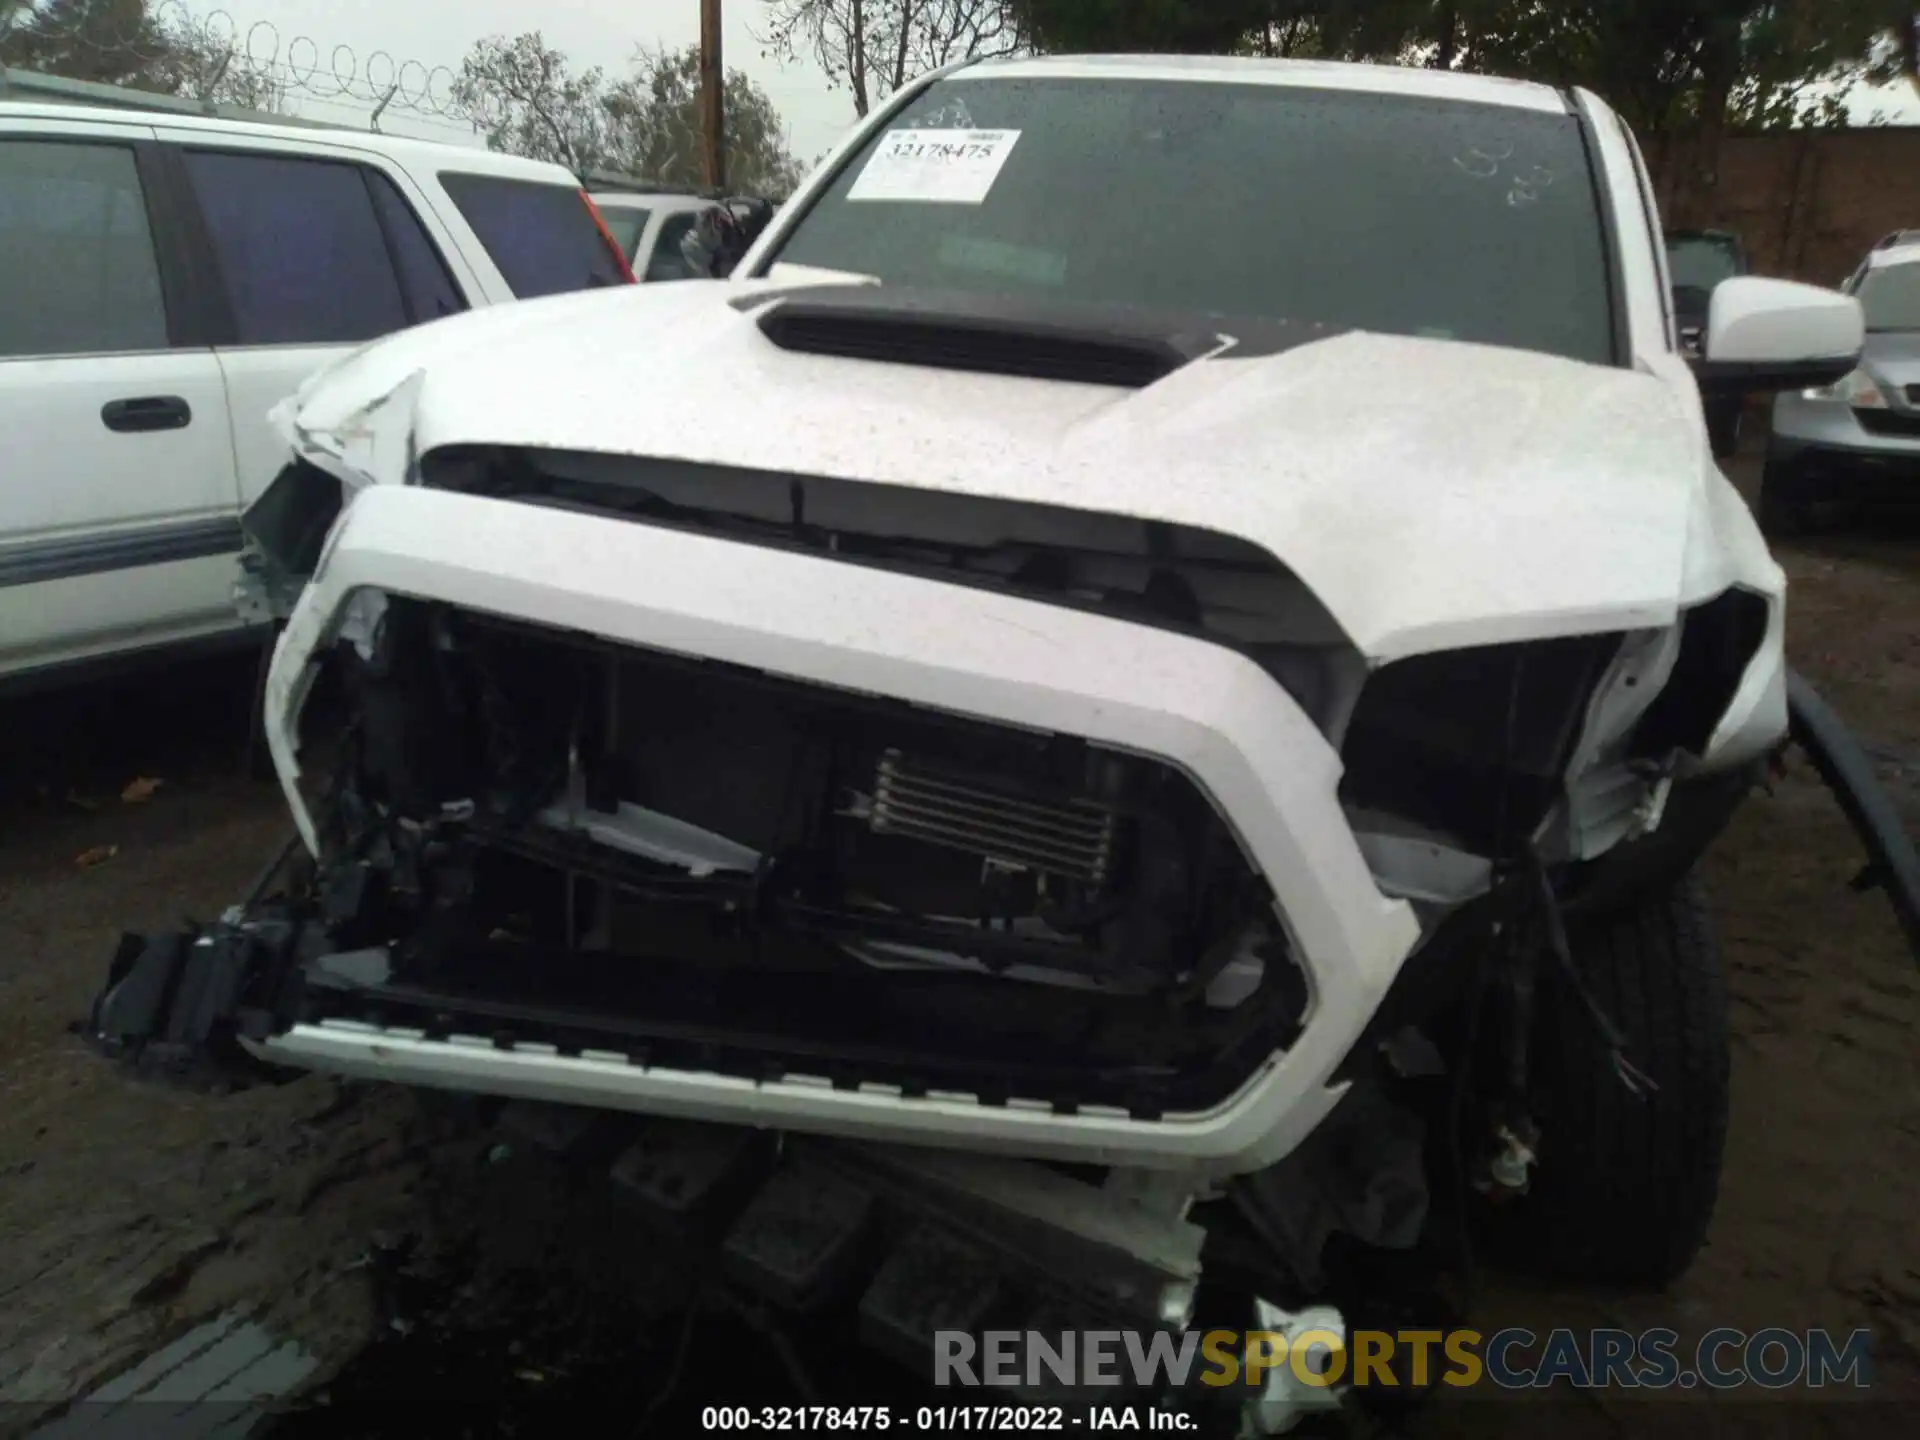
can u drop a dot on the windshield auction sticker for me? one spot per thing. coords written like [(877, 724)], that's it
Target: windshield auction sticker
[(950, 167)]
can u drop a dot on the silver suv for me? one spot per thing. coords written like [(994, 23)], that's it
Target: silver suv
[(1856, 440)]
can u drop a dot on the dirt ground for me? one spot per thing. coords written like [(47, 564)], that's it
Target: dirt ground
[(132, 1214)]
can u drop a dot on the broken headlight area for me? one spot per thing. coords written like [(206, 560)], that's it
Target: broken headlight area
[(286, 531), (546, 838), (1484, 747), (1473, 744)]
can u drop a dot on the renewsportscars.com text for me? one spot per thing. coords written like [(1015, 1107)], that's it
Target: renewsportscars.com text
[(1509, 1359)]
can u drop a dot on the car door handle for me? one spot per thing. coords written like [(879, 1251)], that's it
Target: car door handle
[(148, 412)]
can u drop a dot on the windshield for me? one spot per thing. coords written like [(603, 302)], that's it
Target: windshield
[(1388, 213), (1890, 295), (1700, 262)]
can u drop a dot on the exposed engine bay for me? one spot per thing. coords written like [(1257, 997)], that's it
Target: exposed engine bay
[(671, 853)]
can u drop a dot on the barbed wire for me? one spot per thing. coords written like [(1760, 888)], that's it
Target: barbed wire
[(298, 68)]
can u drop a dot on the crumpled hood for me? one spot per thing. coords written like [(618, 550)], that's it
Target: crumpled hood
[(1432, 493)]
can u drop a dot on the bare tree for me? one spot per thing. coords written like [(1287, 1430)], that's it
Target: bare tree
[(873, 47)]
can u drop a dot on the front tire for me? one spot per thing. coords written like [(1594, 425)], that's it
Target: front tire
[(1625, 1184)]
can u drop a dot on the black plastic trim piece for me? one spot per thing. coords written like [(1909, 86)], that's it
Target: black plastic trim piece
[(1126, 346), (449, 468), (1848, 772), (532, 1013), (1609, 234), (192, 321), (988, 334), (1733, 377), (146, 414), (373, 177), (209, 314), (32, 562), (1656, 239)]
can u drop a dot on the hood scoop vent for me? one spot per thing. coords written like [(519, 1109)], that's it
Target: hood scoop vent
[(991, 335)]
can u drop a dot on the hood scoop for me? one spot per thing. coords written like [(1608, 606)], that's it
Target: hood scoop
[(988, 334)]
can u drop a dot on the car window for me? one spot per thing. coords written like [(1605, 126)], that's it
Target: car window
[(626, 224), (299, 248), (1890, 296), (544, 238), (427, 287), (1701, 262), (78, 273), (1381, 212), (667, 262)]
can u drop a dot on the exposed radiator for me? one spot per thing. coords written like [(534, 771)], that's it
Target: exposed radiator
[(1072, 838)]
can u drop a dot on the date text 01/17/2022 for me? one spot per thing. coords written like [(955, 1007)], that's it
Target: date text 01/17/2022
[(944, 1419)]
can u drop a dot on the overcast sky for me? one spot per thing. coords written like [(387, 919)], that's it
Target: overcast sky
[(595, 32)]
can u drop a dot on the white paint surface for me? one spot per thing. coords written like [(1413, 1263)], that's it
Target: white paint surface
[(1431, 493)]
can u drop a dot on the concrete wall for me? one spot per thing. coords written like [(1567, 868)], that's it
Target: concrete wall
[(1808, 203)]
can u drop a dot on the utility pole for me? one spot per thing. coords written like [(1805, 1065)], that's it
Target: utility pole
[(713, 95)]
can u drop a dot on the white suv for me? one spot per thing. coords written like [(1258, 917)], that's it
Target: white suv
[(166, 281)]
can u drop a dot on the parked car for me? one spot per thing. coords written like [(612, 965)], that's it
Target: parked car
[(164, 281), (1857, 440), (649, 224), (1697, 262), (1045, 678)]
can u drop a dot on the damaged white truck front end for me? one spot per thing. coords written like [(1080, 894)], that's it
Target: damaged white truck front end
[(1328, 720), (996, 722)]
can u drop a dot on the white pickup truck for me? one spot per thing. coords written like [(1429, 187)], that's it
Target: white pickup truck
[(1175, 618), (164, 281)]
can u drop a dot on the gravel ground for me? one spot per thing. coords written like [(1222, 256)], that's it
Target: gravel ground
[(389, 1245)]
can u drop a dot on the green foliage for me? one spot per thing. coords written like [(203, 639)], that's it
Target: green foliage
[(122, 42), (1178, 26), (111, 42), (1668, 65), (657, 115)]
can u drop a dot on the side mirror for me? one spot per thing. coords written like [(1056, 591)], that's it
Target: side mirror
[(1779, 335)]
